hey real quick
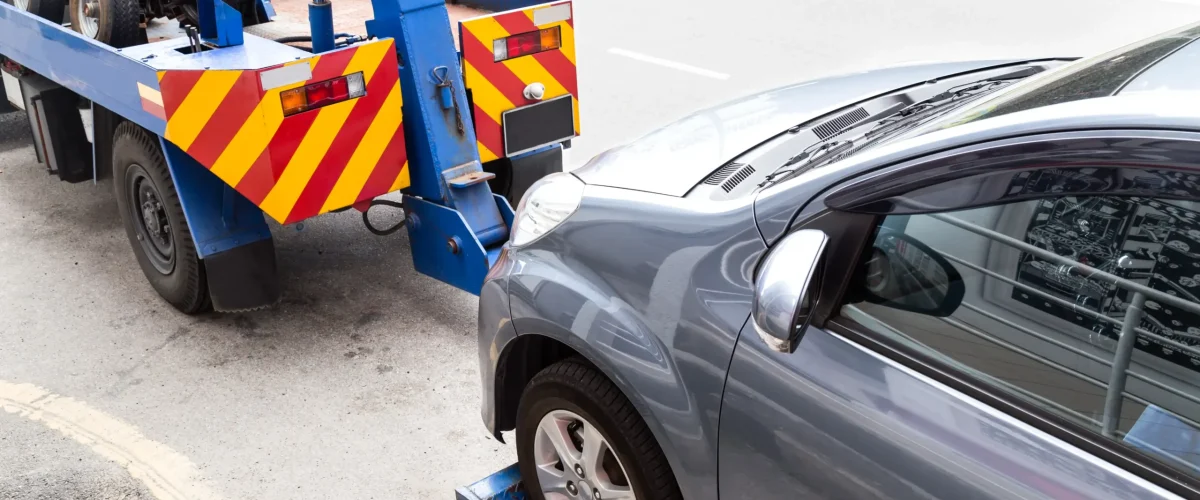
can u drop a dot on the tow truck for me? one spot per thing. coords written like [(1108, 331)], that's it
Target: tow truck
[(208, 129)]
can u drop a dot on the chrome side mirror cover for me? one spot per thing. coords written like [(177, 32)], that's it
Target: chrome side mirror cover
[(785, 287)]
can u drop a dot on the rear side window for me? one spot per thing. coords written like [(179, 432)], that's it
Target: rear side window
[(1040, 291)]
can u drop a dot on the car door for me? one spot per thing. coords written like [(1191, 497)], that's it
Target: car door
[(986, 324)]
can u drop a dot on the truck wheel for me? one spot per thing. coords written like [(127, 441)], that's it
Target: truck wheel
[(579, 437), (51, 10), (154, 220), (189, 15), (114, 22)]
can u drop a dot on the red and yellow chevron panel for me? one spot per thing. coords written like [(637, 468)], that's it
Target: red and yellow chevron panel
[(294, 167), (497, 87)]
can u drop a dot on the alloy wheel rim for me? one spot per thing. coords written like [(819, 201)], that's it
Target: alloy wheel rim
[(575, 461)]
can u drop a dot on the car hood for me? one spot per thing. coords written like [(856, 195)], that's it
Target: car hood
[(673, 159)]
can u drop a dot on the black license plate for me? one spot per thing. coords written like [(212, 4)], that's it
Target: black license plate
[(538, 125)]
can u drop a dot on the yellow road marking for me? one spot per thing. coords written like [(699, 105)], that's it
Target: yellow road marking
[(166, 473)]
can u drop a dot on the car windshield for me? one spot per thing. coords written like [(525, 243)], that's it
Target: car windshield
[(1107, 74), (1099, 76)]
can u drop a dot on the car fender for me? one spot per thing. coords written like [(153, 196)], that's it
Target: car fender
[(614, 338), (653, 291)]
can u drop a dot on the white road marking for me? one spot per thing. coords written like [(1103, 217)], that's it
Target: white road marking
[(167, 474), (669, 64)]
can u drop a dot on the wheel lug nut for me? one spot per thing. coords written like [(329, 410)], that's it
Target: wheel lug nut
[(596, 494), (571, 488), (579, 470)]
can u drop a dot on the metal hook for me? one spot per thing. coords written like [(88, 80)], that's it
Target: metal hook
[(440, 75)]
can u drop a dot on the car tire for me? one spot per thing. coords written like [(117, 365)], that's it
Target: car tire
[(154, 220), (116, 23), (50, 10), (574, 388)]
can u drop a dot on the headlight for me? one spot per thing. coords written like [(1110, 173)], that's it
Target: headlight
[(546, 204)]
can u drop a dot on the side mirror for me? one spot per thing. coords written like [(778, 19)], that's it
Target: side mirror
[(903, 273), (785, 288)]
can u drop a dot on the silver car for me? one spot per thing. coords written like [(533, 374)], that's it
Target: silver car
[(961, 280)]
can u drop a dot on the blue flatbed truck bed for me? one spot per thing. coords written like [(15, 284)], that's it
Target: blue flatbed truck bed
[(207, 134)]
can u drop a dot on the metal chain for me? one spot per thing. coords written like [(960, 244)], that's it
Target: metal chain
[(441, 78)]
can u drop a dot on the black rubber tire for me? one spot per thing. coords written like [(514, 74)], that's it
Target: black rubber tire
[(118, 24), (574, 384), (50, 10), (137, 153)]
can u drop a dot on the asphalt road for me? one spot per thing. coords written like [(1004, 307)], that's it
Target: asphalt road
[(363, 382)]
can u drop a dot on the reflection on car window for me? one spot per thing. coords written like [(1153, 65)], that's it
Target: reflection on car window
[(1047, 286), (1101, 76), (1178, 73)]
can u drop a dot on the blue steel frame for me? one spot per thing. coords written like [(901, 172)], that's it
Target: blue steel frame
[(220, 24), (89, 68), (504, 484), (458, 225), (449, 189), (219, 217), (320, 24)]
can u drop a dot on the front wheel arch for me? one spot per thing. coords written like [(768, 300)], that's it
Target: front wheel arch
[(521, 359)]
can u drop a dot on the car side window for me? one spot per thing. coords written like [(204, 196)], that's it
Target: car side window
[(1033, 296)]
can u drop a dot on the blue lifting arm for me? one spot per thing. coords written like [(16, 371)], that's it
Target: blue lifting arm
[(455, 224)]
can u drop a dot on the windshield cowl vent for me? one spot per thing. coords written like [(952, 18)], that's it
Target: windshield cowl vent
[(836, 125), (737, 178), (722, 173)]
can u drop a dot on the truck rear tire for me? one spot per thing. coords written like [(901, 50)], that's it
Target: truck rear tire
[(50, 10), (114, 22), (154, 220)]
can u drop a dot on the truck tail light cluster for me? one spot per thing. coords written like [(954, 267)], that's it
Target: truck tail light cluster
[(315, 95), (524, 44)]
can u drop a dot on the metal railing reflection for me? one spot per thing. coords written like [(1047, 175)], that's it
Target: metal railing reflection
[(1119, 370)]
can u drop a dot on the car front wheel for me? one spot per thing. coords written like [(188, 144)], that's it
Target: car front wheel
[(578, 437)]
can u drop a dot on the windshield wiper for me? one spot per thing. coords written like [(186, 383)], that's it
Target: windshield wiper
[(826, 152), (801, 161), (956, 95)]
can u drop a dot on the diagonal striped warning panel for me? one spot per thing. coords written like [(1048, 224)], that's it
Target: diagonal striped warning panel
[(294, 167), (498, 86)]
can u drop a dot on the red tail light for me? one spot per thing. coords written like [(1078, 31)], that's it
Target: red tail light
[(524, 44), (315, 95)]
